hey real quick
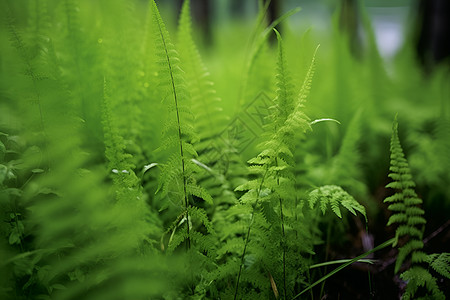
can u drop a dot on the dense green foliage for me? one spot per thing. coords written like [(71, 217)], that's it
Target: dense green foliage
[(126, 173)]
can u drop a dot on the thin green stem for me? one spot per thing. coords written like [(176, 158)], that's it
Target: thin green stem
[(283, 243), (283, 237)]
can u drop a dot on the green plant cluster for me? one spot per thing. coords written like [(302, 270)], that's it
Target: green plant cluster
[(130, 171)]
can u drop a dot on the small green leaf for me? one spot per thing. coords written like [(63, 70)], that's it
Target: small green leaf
[(14, 237)]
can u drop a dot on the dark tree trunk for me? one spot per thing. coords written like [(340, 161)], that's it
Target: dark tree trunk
[(433, 42), (273, 12), (349, 24)]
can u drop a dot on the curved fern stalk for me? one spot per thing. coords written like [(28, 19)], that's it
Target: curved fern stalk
[(411, 223), (209, 119), (180, 166), (170, 57)]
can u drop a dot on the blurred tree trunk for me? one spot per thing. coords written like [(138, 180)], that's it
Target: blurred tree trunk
[(433, 41), (349, 24), (273, 12)]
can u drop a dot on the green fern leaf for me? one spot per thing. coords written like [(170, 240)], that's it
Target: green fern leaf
[(440, 263), (199, 192), (334, 196), (419, 277)]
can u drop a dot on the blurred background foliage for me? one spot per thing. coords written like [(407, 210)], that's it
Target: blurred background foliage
[(59, 192)]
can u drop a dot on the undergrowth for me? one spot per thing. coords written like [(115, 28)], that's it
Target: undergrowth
[(134, 166)]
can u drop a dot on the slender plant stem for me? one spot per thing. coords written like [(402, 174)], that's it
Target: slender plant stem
[(283, 244), (283, 237)]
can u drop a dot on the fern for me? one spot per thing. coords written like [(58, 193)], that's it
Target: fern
[(120, 165), (209, 117), (204, 100), (418, 277), (87, 245), (256, 78), (180, 165), (404, 202), (118, 160), (410, 222), (331, 196), (124, 82), (39, 26), (274, 187), (83, 78), (178, 181), (30, 67), (440, 263)]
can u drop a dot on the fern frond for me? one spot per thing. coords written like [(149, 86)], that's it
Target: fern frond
[(410, 223), (209, 117), (203, 96), (407, 214), (334, 196), (410, 247), (420, 277), (30, 67), (172, 85), (178, 175), (272, 192), (114, 143), (440, 263)]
